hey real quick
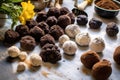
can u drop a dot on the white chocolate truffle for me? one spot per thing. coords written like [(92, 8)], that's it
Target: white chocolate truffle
[(97, 45), (72, 30), (23, 55), (35, 59), (70, 47), (13, 51), (21, 67), (63, 38), (82, 39)]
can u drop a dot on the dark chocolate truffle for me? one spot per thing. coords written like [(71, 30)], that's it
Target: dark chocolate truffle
[(53, 11), (95, 23), (112, 29), (56, 31), (31, 23), (27, 43), (46, 39), (44, 26), (72, 17), (37, 33), (64, 11), (116, 55), (63, 21), (50, 53), (11, 36), (41, 16), (102, 70), (51, 21), (22, 30), (89, 58), (82, 20)]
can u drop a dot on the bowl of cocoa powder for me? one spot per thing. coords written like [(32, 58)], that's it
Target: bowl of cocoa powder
[(107, 8)]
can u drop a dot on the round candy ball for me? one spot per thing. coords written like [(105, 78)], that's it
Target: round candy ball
[(82, 19), (23, 55), (63, 38), (21, 67)]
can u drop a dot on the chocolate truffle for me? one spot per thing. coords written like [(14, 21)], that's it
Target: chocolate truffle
[(97, 45), (51, 21), (112, 29), (11, 36), (41, 16), (56, 31), (82, 20), (72, 30), (31, 23), (23, 30), (50, 53), (72, 17), (102, 70), (37, 33), (21, 67), (89, 58), (27, 43), (53, 11), (116, 55), (63, 39), (63, 21), (95, 23), (46, 39), (44, 26), (69, 47), (64, 11), (23, 55)]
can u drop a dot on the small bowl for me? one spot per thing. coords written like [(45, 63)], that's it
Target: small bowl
[(105, 12)]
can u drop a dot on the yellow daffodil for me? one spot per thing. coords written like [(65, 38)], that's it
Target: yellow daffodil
[(27, 13)]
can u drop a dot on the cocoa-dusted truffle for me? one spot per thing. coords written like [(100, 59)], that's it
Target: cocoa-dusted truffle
[(82, 20), (31, 23), (89, 58), (51, 21), (56, 31), (27, 43), (22, 30), (11, 36), (63, 21), (72, 17), (116, 55), (50, 53), (41, 16), (64, 10), (37, 33), (46, 39), (102, 70), (95, 23), (53, 11), (112, 29), (44, 26)]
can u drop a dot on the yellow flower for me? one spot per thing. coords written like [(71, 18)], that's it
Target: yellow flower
[(27, 13)]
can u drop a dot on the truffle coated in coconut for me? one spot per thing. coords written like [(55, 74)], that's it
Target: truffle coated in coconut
[(11, 36), (13, 51), (63, 21), (64, 11), (23, 55), (72, 17), (112, 29), (102, 70), (31, 23), (46, 39), (56, 31), (41, 16), (51, 21), (44, 26), (82, 19), (23, 30), (21, 67), (27, 43), (69, 47), (50, 53), (63, 38), (116, 55), (89, 58), (53, 11), (37, 33)]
